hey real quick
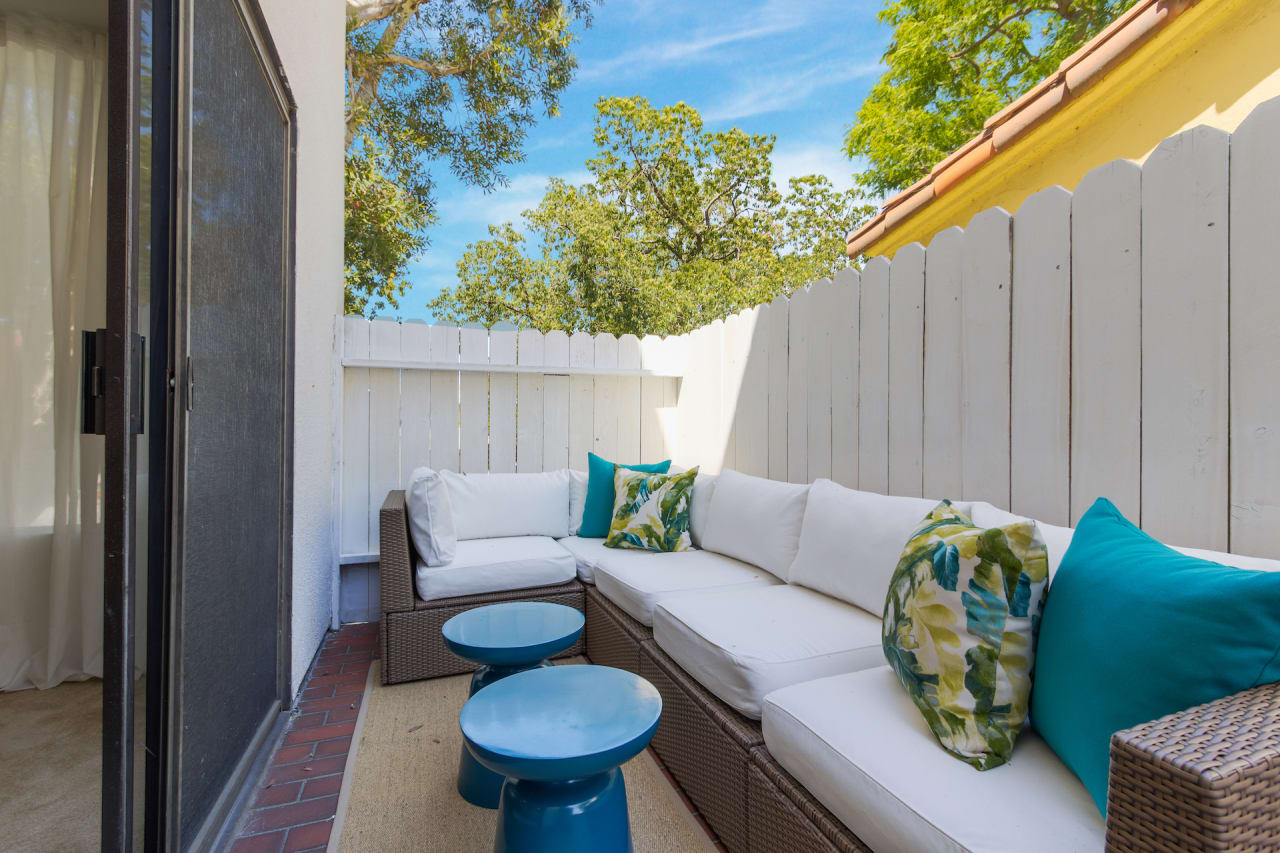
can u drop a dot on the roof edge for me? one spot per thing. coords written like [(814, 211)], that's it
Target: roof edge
[(1129, 31)]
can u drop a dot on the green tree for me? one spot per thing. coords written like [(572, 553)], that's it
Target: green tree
[(676, 226), (951, 65), (456, 82)]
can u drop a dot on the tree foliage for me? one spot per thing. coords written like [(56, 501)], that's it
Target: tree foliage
[(951, 65), (452, 81), (677, 225)]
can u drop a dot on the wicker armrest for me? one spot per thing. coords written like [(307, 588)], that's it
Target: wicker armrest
[(395, 557), (1207, 778)]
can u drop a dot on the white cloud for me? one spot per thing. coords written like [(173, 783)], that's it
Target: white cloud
[(793, 161), (782, 90), (472, 205), (703, 42)]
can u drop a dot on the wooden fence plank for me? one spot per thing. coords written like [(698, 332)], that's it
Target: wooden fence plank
[(555, 407), (843, 311), (985, 342), (444, 401), (384, 419), (502, 403), (354, 535), (582, 353), (943, 386), (778, 331), (473, 420), (1106, 339), (873, 377), (1184, 339), (818, 418), (751, 423), (715, 433), (798, 387), (1040, 416), (652, 401), (530, 392), (605, 438), (1255, 334), (906, 372), (415, 400), (628, 404), (732, 364)]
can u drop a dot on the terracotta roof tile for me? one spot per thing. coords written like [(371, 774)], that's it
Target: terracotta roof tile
[(1077, 72)]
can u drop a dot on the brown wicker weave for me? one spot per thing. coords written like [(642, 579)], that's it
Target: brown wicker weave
[(705, 745), (783, 815), (613, 637), (1207, 778), (409, 632)]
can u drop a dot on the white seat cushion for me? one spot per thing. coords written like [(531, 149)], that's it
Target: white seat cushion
[(755, 520), (588, 553), (862, 749), (496, 565), (741, 644), (637, 580)]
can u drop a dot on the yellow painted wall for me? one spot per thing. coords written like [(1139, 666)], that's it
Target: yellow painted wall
[(1212, 65)]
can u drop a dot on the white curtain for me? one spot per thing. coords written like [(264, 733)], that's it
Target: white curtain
[(52, 286)]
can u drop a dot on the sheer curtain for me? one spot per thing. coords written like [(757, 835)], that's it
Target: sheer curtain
[(52, 286)]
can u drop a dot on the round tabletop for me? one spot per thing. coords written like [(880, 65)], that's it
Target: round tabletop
[(562, 722), (513, 634)]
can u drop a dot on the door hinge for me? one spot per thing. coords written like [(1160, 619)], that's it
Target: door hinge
[(93, 382)]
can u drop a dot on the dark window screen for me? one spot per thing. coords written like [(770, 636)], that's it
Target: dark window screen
[(233, 541)]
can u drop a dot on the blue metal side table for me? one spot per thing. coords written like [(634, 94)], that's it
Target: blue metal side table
[(559, 736), (506, 639)]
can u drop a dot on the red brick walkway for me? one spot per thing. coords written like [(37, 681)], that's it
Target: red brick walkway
[(297, 796)]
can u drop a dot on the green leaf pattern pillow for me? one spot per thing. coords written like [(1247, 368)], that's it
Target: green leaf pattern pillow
[(651, 511), (960, 625)]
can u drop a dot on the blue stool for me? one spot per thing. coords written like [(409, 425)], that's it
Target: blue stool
[(505, 639), (559, 735)]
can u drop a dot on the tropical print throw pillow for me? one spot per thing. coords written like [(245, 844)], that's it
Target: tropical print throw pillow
[(650, 511), (960, 625)]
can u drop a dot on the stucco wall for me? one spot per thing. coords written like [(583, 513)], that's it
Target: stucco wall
[(1212, 66), (309, 35)]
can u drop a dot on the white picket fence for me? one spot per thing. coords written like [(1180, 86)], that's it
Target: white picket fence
[(1119, 340), (472, 400), (1122, 340)]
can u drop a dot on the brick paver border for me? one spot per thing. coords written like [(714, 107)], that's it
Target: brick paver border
[(293, 808)]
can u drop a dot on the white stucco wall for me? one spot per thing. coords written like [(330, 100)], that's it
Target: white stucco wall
[(310, 36)]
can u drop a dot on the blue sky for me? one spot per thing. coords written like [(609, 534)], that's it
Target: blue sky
[(797, 70)]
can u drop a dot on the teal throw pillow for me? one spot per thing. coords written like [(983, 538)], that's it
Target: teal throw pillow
[(597, 513), (1133, 630)]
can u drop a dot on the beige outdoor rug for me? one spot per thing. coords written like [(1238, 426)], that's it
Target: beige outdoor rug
[(400, 794)]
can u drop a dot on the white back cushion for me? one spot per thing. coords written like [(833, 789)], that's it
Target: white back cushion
[(487, 506), (577, 499), (755, 520), (700, 506), (851, 541), (430, 517)]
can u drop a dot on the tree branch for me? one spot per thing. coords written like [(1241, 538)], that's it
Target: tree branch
[(361, 12)]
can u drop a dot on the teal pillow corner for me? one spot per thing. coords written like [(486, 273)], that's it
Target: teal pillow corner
[(597, 510), (1133, 630)]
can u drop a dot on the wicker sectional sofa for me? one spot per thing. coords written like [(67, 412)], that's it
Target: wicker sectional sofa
[(781, 772)]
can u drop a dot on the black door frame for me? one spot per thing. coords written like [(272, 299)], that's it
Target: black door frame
[(119, 488)]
